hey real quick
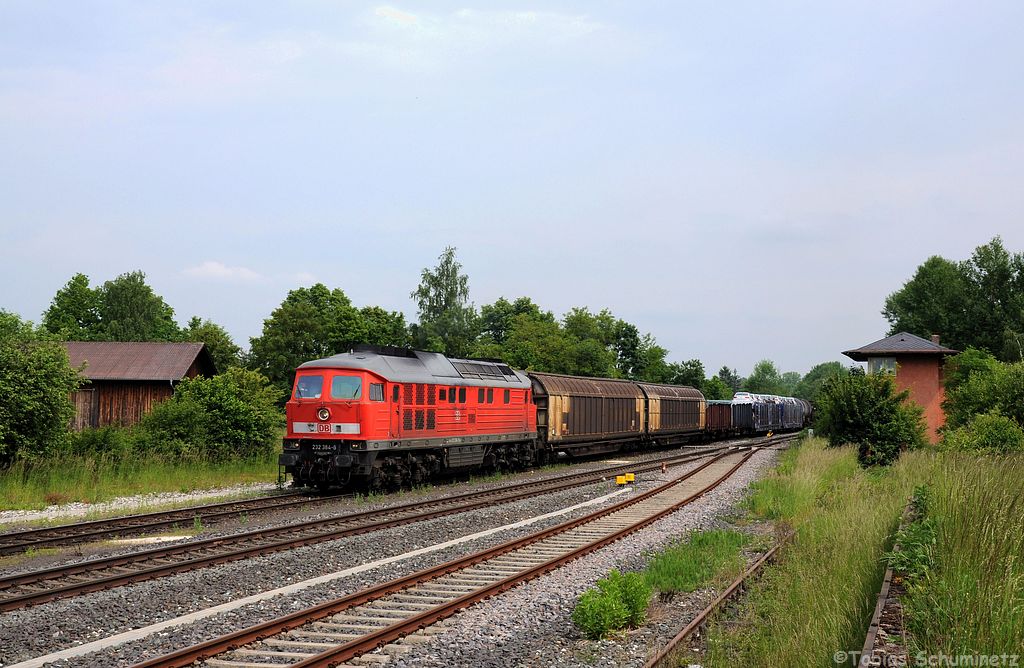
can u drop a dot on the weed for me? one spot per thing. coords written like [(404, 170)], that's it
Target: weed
[(617, 601), (705, 557), (197, 524)]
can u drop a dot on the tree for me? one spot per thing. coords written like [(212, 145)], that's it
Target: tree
[(74, 312), (218, 342), (496, 320), (788, 383), (715, 388), (867, 411), (764, 379), (978, 302), (36, 381), (311, 323), (129, 310), (690, 372), (652, 365), (933, 301), (730, 378), (385, 328), (810, 385), (447, 321)]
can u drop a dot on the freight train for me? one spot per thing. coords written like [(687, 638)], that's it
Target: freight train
[(383, 418)]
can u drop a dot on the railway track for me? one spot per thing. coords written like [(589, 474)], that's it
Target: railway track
[(35, 587), (15, 542), (335, 632)]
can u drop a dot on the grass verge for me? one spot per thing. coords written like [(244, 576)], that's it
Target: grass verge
[(820, 594), (93, 480)]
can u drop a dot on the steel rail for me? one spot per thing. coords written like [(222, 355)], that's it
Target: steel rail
[(702, 617), (13, 542), (290, 622), (240, 546)]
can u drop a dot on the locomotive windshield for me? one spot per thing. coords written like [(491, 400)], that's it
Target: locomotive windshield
[(346, 387), (309, 387)]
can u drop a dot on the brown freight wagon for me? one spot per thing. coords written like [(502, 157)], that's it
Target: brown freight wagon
[(719, 418), (673, 410), (581, 415)]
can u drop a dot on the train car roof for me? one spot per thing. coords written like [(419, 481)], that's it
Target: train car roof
[(417, 366)]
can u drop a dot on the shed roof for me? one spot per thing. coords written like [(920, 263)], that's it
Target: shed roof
[(137, 360), (902, 343)]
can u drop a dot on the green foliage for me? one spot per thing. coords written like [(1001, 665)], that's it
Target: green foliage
[(218, 342), (765, 379), (122, 309), (129, 310), (230, 416), (690, 372), (731, 379), (866, 410), (809, 386), (917, 548), (715, 388), (73, 314), (618, 600), (978, 384), (978, 302), (705, 557), (313, 323), (497, 319), (990, 433), (36, 380), (447, 321)]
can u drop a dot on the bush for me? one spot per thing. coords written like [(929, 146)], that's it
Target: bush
[(619, 600), (867, 411), (982, 385), (989, 432), (230, 416), (36, 380)]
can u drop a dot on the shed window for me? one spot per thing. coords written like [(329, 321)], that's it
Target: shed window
[(507, 395), (490, 395), (346, 387), (480, 396), (309, 387), (376, 391), (882, 365), (462, 395)]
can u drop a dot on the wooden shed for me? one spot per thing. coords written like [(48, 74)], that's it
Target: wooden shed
[(126, 379)]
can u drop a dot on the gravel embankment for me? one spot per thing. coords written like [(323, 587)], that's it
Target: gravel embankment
[(50, 627), (532, 625)]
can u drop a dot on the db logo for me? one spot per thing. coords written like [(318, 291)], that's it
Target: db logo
[(458, 415)]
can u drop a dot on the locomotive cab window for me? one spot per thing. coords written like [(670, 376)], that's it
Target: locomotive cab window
[(441, 394), (376, 391), (480, 396), (451, 395), (507, 394), (346, 387), (309, 387), (490, 395), (395, 392), (462, 395)]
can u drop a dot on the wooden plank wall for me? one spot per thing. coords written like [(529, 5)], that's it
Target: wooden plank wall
[(108, 402)]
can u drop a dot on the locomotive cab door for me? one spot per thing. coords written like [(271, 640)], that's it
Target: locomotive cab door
[(396, 410)]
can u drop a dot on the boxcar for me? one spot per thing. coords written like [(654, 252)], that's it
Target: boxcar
[(579, 415), (673, 411), (719, 421)]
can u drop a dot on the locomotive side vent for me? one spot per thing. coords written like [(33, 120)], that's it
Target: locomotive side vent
[(420, 390), (407, 419), (430, 395), (431, 418), (408, 393), (419, 419)]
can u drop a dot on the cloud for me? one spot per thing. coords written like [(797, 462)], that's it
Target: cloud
[(218, 271)]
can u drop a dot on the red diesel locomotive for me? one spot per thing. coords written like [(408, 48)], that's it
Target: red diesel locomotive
[(385, 417)]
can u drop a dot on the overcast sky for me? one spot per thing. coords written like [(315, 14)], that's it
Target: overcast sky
[(742, 180)]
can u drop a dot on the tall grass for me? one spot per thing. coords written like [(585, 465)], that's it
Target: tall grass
[(820, 595), (102, 477), (705, 557), (972, 600)]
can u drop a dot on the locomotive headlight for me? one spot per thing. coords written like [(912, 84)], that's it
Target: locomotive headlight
[(323, 414)]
